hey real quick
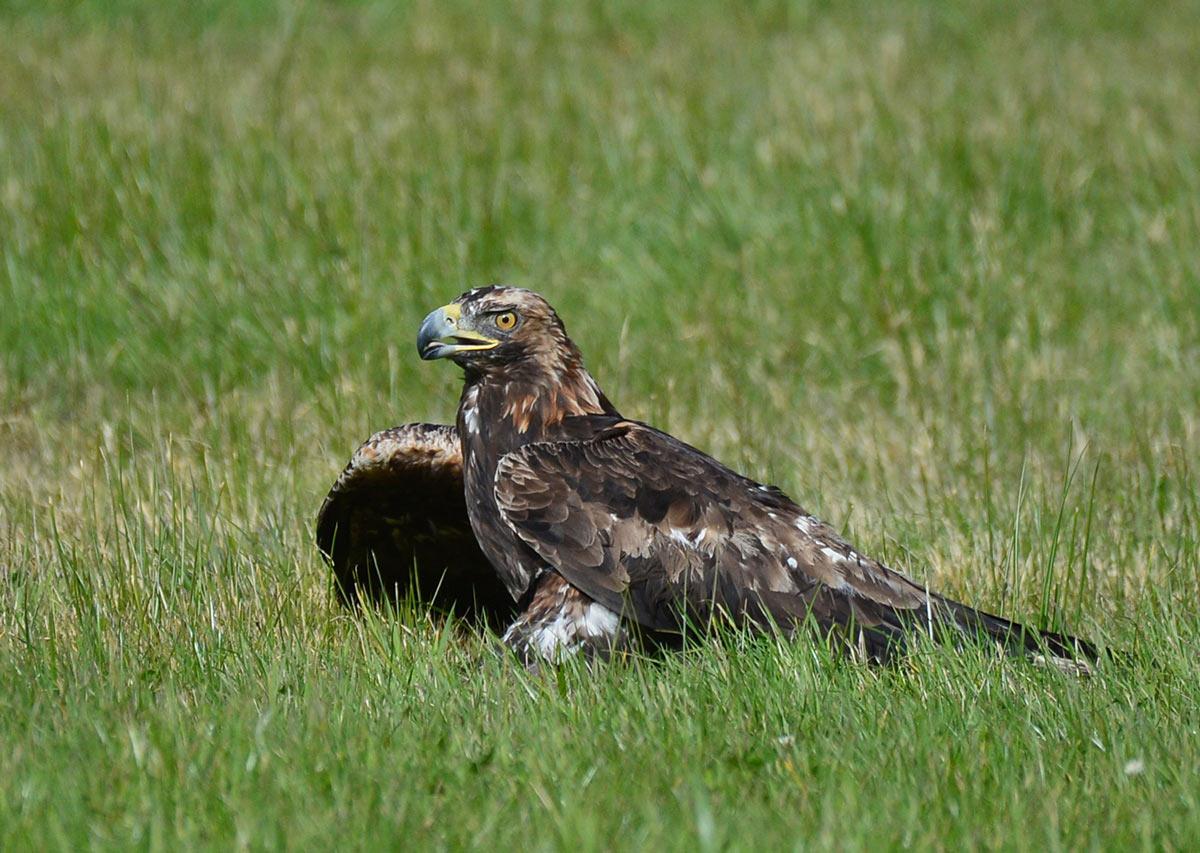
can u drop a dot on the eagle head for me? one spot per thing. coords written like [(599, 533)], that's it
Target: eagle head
[(494, 326)]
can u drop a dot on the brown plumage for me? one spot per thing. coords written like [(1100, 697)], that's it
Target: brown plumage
[(395, 524), (605, 529)]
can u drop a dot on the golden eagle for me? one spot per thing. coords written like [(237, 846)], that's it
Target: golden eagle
[(605, 531)]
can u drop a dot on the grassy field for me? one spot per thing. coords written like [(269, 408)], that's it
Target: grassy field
[(932, 268)]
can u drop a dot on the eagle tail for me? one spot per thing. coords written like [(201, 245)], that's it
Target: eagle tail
[(1068, 653)]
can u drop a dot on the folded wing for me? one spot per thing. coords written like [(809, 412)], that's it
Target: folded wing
[(668, 537)]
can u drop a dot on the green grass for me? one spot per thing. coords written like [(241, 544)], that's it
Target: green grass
[(933, 268)]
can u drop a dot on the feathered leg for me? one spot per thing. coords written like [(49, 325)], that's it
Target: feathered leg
[(557, 621)]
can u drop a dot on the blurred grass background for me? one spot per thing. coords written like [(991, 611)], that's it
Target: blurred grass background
[(933, 268)]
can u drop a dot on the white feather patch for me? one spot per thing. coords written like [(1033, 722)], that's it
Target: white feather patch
[(470, 411)]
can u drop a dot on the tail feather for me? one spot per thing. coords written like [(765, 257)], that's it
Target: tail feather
[(883, 633), (1062, 650)]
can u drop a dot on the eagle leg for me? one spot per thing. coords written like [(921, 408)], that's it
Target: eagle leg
[(556, 622)]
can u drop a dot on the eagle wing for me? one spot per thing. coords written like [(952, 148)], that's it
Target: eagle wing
[(395, 523), (664, 534)]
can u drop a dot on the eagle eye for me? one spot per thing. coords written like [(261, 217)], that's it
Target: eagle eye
[(506, 320)]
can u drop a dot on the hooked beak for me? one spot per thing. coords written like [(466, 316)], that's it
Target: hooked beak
[(441, 335)]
